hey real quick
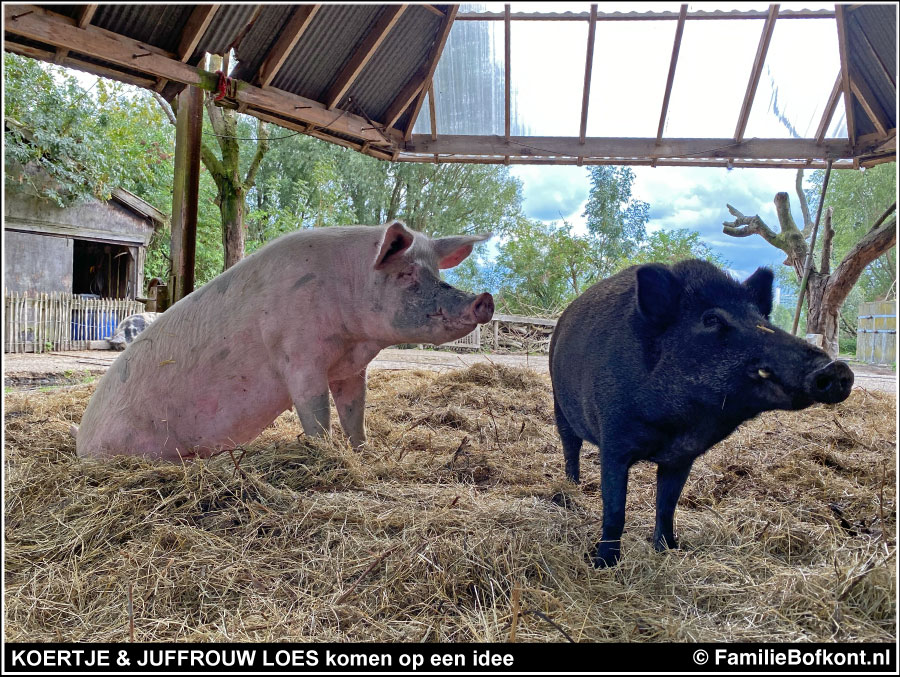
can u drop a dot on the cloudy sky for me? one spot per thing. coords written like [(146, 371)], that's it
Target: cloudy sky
[(631, 61)]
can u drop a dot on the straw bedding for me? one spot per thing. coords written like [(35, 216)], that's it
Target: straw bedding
[(455, 518)]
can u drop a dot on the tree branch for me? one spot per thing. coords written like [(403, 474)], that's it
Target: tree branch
[(215, 167), (262, 145), (804, 205), (167, 109), (870, 247), (744, 226), (827, 237)]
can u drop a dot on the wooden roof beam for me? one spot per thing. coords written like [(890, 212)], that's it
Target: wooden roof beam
[(433, 57), (432, 112), (612, 147), (840, 18), (84, 18), (194, 29), (35, 23), (507, 70), (830, 107), (588, 68), (287, 40), (869, 103), (673, 62), (755, 72), (388, 18)]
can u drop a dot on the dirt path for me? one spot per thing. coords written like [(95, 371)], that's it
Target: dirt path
[(31, 370)]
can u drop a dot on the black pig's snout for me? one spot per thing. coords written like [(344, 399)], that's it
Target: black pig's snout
[(831, 383)]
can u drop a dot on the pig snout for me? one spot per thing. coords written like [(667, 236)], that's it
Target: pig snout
[(482, 308), (831, 383)]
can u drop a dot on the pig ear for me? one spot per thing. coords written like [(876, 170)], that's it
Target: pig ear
[(397, 239), (760, 287), (658, 291), (451, 251)]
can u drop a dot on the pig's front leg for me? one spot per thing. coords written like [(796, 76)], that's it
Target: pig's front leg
[(309, 393), (350, 400), (670, 481)]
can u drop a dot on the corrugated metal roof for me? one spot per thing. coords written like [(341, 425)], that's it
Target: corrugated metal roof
[(396, 61), (259, 40), (158, 25), (328, 43), (336, 31), (872, 46)]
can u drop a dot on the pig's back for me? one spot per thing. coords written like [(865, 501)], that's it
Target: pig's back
[(594, 352)]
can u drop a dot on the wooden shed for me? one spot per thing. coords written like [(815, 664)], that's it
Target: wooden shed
[(94, 247)]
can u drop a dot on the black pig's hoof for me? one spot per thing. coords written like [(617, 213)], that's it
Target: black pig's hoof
[(662, 542), (605, 554)]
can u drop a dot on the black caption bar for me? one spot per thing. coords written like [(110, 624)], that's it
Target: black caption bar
[(432, 658)]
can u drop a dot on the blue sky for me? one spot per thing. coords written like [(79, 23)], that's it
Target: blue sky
[(679, 197)]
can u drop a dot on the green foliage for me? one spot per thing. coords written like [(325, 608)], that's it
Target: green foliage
[(672, 246), (303, 182), (858, 199), (616, 221), (51, 125)]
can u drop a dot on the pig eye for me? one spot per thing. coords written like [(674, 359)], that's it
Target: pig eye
[(712, 320)]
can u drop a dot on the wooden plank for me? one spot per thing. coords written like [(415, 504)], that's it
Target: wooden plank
[(588, 67), (869, 103), (840, 17), (507, 68), (84, 18), (290, 35), (388, 18), (34, 23), (431, 62), (636, 162), (673, 62), (432, 112), (755, 72), (612, 147), (194, 29), (700, 15), (830, 108)]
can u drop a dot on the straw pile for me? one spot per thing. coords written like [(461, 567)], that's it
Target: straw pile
[(453, 523)]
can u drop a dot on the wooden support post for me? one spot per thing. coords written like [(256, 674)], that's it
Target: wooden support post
[(588, 65), (188, 127)]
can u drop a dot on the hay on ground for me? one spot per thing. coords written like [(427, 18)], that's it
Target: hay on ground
[(787, 529)]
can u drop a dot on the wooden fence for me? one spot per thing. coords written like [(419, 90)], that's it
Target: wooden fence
[(876, 333), (58, 321)]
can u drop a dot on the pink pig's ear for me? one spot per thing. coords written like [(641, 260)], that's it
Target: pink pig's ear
[(397, 239), (451, 251)]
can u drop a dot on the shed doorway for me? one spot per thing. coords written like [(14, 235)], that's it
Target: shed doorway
[(102, 269)]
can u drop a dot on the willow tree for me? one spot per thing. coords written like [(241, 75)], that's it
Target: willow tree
[(828, 287), (232, 185)]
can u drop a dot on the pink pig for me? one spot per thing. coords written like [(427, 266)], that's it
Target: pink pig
[(303, 315)]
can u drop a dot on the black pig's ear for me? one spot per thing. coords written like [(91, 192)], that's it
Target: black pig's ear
[(760, 287), (658, 292)]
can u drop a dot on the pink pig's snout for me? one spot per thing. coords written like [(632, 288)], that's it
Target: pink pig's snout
[(482, 308)]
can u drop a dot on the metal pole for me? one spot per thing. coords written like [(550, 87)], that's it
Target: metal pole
[(812, 250)]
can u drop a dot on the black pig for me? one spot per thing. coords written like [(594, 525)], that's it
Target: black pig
[(659, 363)]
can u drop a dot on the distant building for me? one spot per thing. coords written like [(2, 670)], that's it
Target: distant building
[(94, 247)]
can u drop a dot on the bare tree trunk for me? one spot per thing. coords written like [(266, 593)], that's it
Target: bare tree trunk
[(826, 290)]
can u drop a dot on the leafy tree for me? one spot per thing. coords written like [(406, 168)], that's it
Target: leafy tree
[(233, 178), (615, 219), (51, 124), (671, 246)]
